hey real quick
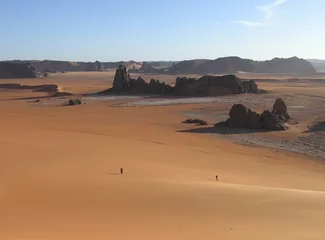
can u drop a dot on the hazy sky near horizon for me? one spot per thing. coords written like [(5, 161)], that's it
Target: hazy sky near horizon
[(105, 30)]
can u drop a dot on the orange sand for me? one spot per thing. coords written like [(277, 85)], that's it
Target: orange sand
[(59, 177)]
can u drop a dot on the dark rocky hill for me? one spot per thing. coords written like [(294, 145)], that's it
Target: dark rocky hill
[(285, 65), (18, 70), (317, 63), (235, 64)]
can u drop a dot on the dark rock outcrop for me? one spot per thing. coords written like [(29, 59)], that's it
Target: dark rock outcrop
[(280, 108), (250, 86), (157, 87), (196, 121), (18, 70), (272, 121), (74, 102), (205, 86), (242, 117), (121, 82), (124, 83), (214, 85)]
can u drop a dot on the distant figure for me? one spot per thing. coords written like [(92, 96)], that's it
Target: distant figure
[(121, 170), (37, 100), (217, 178)]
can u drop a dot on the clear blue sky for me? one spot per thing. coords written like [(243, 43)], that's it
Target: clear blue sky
[(105, 30)]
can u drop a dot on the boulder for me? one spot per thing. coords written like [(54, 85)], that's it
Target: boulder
[(250, 86), (74, 102), (196, 121), (280, 108), (238, 116), (254, 120), (242, 117), (272, 121)]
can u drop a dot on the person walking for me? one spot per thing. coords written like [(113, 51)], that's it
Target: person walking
[(121, 170)]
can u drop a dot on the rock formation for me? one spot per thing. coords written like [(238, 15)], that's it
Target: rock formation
[(205, 86), (280, 108), (242, 117), (124, 83), (214, 85), (272, 121), (120, 79), (18, 70), (250, 86)]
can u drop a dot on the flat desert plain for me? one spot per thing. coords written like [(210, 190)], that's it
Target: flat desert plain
[(60, 179)]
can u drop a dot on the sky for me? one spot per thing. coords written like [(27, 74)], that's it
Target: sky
[(149, 30)]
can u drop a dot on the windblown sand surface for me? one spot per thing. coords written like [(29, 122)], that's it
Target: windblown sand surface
[(59, 170)]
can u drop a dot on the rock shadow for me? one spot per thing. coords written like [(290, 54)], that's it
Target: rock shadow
[(60, 94), (222, 130), (318, 127)]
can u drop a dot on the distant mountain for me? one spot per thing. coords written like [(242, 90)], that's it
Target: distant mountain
[(60, 66), (162, 64), (235, 64), (319, 64), (285, 65), (222, 65)]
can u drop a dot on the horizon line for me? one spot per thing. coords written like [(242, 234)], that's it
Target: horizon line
[(141, 61)]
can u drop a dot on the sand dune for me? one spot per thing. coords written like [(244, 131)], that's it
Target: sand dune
[(51, 90), (59, 177)]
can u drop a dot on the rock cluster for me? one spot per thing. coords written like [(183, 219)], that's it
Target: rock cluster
[(18, 70), (124, 83), (196, 121), (242, 117), (215, 85), (204, 86)]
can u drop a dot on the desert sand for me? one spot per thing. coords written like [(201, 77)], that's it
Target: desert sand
[(59, 169)]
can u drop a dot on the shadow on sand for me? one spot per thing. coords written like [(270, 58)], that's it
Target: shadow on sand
[(222, 130), (51, 89), (318, 127), (60, 94), (115, 174)]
